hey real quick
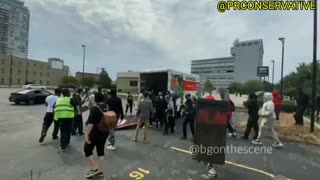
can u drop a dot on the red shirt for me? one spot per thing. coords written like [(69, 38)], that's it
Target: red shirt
[(277, 99)]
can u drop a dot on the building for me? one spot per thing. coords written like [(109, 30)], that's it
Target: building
[(128, 82), (22, 70), (14, 28), (241, 66), (87, 75)]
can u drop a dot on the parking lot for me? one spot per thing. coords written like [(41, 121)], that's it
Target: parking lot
[(21, 155)]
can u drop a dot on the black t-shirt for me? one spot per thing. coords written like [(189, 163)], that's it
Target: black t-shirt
[(130, 99), (115, 104), (94, 118)]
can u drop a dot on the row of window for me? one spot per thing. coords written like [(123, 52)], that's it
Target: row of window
[(3, 62), (19, 81), (133, 83), (19, 72), (247, 44)]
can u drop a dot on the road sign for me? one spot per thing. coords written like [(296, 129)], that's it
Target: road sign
[(263, 71)]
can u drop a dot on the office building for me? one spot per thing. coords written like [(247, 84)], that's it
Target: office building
[(14, 28), (22, 70), (241, 66), (128, 82)]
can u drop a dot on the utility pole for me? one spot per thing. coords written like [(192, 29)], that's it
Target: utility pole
[(272, 72), (281, 88), (84, 59), (314, 69)]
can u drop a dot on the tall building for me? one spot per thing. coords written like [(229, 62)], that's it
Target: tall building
[(22, 70), (14, 28), (241, 66)]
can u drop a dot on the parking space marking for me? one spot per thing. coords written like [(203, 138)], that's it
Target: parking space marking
[(139, 174), (232, 163)]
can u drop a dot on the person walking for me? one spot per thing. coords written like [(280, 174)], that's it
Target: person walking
[(92, 101), (49, 116), (169, 123), (141, 95), (64, 114), (161, 106), (267, 122), (78, 120), (277, 100), (302, 104), (190, 116), (95, 138), (231, 109), (253, 109), (114, 104), (129, 103), (144, 111)]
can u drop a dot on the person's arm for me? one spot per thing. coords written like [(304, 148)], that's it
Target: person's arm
[(269, 110), (88, 130)]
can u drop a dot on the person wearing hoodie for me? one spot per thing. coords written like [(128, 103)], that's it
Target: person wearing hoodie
[(169, 123), (190, 116), (253, 109), (277, 100), (114, 104), (160, 110), (268, 117)]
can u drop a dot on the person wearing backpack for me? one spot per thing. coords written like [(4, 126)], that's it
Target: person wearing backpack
[(96, 136)]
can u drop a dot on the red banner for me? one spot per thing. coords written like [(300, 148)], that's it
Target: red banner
[(190, 85)]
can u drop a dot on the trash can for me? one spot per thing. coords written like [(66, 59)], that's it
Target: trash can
[(210, 131)]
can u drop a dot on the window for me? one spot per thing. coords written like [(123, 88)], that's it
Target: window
[(35, 65), (2, 71), (133, 83), (2, 81), (33, 81), (34, 73), (19, 72), (3, 62), (249, 44), (19, 63), (243, 44), (19, 81), (27, 64), (41, 66), (40, 82), (40, 73), (47, 83), (256, 42), (48, 74)]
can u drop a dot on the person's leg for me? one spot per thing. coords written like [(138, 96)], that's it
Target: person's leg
[(45, 126), (80, 125), (171, 124), (63, 134), (248, 129), (192, 127), (74, 126), (255, 128), (100, 152), (166, 125), (127, 107), (137, 130), (261, 132), (55, 130), (145, 135), (111, 140), (277, 111), (229, 127), (88, 151), (68, 130), (130, 108), (184, 128)]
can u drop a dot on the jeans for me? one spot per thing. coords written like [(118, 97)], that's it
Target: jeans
[(229, 126), (111, 137), (185, 122), (47, 121), (65, 132), (252, 123)]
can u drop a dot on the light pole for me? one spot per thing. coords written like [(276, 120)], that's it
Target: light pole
[(84, 59), (314, 68), (272, 72), (282, 39)]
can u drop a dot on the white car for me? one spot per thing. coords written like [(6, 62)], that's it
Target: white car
[(34, 86)]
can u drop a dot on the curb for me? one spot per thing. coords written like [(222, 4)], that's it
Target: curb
[(315, 123)]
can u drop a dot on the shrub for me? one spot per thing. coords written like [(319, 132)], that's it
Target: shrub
[(289, 106)]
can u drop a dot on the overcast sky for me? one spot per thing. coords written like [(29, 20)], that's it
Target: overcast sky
[(123, 35)]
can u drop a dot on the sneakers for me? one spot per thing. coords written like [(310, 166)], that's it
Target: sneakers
[(257, 142), (277, 144), (55, 137), (111, 147), (92, 173), (234, 134), (100, 174), (62, 150), (42, 138), (135, 140), (212, 173), (145, 141)]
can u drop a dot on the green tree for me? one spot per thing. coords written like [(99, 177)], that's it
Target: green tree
[(88, 82), (251, 87), (104, 79), (235, 87), (69, 80), (208, 87), (266, 86)]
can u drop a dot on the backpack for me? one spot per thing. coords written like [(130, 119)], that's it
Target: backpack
[(108, 122)]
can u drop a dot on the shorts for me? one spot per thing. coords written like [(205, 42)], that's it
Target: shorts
[(97, 142)]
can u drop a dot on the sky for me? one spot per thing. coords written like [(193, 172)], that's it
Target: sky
[(122, 35)]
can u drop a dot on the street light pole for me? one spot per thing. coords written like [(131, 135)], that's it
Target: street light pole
[(281, 88), (272, 72), (84, 59), (314, 68)]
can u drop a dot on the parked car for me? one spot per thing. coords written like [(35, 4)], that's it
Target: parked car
[(29, 96), (33, 86)]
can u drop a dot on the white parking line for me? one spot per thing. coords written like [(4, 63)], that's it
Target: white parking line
[(14, 112)]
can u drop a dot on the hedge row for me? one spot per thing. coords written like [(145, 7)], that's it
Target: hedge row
[(287, 106)]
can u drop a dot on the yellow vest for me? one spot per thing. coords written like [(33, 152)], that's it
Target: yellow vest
[(63, 109)]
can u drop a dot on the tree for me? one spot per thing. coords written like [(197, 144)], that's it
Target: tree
[(235, 87), (69, 80), (251, 87), (266, 86), (88, 82), (104, 79), (208, 87)]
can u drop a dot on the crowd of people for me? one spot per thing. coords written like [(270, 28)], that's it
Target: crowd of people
[(65, 112)]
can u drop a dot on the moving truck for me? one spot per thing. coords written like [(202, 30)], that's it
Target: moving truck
[(177, 83)]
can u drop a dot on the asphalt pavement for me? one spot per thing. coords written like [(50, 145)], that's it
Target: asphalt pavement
[(21, 156)]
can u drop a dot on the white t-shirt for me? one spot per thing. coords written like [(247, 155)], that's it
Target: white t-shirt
[(51, 100)]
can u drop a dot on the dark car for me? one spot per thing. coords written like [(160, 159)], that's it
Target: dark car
[(29, 96)]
